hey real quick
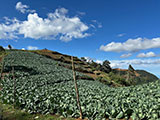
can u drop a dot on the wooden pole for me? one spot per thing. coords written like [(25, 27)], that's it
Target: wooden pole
[(13, 72), (76, 88), (14, 85), (2, 67)]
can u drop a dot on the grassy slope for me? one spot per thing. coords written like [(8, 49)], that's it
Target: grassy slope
[(10, 113), (80, 66), (117, 78)]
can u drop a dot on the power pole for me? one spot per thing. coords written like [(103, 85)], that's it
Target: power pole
[(76, 88)]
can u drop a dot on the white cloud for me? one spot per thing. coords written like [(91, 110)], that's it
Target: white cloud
[(99, 61), (149, 54), (9, 30), (56, 26), (81, 13), (6, 47), (23, 8), (88, 59), (121, 35), (136, 62), (115, 65), (125, 55), (32, 48), (151, 65), (132, 45), (98, 24)]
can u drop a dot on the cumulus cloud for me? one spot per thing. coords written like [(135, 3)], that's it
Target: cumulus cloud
[(132, 45), (32, 48), (10, 29), (149, 54), (23, 8), (136, 62), (115, 65), (125, 55), (56, 26)]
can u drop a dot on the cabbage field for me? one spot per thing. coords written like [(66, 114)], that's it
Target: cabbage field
[(44, 87)]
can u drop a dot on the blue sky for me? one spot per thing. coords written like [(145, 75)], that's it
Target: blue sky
[(122, 31)]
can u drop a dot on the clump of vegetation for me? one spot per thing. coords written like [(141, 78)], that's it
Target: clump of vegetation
[(118, 79), (2, 52), (8, 112), (104, 80)]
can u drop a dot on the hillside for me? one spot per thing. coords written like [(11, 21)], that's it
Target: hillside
[(112, 77), (93, 71), (135, 77), (40, 85)]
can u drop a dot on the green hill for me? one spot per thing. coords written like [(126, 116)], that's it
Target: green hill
[(103, 73), (146, 75), (93, 71), (42, 86), (134, 77)]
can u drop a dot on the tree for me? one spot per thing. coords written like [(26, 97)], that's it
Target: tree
[(62, 59), (106, 67), (106, 63), (1, 48), (10, 47), (83, 59)]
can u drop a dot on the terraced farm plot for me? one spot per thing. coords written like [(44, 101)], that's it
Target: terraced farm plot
[(44, 87)]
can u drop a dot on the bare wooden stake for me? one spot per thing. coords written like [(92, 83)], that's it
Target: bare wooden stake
[(76, 88), (13, 73), (2, 67), (14, 85)]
